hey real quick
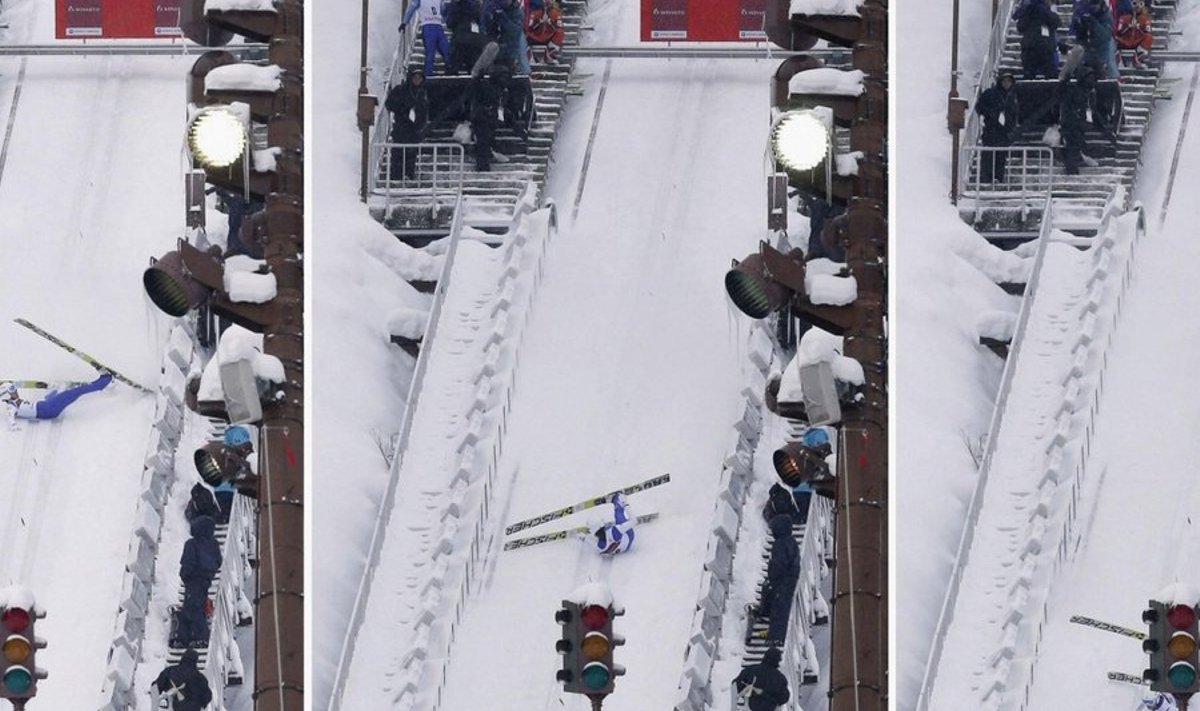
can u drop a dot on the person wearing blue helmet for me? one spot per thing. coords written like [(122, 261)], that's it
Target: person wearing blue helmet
[(48, 407), (237, 436)]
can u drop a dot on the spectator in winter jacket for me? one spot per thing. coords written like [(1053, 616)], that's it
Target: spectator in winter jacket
[(183, 685), (544, 29), (1076, 109), (1133, 31), (409, 105), (781, 503), (763, 686), (999, 110), (49, 407), (433, 32), (201, 503), (1038, 24), (518, 106), (616, 537), (484, 95), (200, 563), (504, 22), (466, 40), (1092, 26), (783, 570)]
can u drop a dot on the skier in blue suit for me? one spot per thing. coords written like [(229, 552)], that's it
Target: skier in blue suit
[(48, 407), (616, 537)]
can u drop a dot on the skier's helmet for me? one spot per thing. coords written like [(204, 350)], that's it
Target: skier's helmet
[(8, 390), (236, 436)]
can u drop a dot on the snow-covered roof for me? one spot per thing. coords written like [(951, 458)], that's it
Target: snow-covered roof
[(592, 594), (17, 596)]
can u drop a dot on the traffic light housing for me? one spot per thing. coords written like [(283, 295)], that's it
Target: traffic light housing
[(587, 646), (183, 279), (19, 677), (1172, 646)]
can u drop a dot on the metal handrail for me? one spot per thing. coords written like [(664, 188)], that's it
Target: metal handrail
[(224, 659), (1028, 176), (991, 58), (972, 519), (389, 496), (808, 587)]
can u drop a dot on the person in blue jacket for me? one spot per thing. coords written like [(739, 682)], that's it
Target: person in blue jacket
[(1038, 24), (48, 407), (616, 537), (1092, 26), (504, 21), (764, 687), (433, 30), (783, 572), (200, 563)]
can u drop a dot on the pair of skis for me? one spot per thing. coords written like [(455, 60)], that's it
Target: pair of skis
[(1116, 629), (79, 354), (575, 508)]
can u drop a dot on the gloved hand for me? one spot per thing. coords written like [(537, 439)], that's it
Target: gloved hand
[(402, 26)]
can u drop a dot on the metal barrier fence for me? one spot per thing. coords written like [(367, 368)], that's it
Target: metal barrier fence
[(799, 651), (420, 176), (1010, 176), (230, 605)]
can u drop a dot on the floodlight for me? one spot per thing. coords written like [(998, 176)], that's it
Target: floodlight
[(216, 137), (800, 140)]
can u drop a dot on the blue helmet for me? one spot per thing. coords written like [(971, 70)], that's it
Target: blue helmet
[(237, 435), (815, 437)]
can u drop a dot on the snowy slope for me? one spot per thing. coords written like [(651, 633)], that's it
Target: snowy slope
[(1141, 510), (91, 188)]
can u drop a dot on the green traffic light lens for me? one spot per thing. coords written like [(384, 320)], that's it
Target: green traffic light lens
[(1181, 675), (595, 676), (18, 680)]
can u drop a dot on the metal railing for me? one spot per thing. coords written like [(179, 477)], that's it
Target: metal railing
[(991, 58), (1012, 176), (389, 494), (799, 651), (224, 662), (972, 518), (416, 175)]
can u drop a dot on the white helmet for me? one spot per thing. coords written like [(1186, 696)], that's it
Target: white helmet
[(8, 390)]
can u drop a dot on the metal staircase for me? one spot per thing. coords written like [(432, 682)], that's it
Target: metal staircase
[(488, 198), (1010, 212)]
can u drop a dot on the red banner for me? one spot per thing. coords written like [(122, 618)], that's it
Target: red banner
[(116, 19), (703, 20)]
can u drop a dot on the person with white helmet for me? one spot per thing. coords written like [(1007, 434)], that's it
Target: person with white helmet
[(1158, 701), (616, 537), (48, 407)]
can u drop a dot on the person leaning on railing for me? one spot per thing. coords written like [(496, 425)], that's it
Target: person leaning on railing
[(1000, 112), (409, 104)]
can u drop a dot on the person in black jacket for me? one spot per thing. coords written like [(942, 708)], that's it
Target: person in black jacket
[(201, 561), (763, 685), (1038, 24), (1000, 112), (409, 104), (484, 95), (1076, 108), (183, 685), (466, 39), (783, 571), (201, 503)]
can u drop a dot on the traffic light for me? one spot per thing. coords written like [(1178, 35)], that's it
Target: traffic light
[(587, 647), (763, 283), (217, 463), (20, 672), (1172, 645)]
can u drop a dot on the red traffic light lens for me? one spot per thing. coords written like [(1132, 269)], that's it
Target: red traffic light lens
[(15, 619), (594, 616), (1181, 616)]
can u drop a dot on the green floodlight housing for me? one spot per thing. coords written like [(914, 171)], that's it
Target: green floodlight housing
[(216, 137), (800, 140)]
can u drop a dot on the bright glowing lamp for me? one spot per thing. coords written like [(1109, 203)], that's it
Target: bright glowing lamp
[(800, 140), (216, 137)]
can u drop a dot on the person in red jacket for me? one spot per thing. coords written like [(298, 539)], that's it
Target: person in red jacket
[(1134, 38), (544, 28)]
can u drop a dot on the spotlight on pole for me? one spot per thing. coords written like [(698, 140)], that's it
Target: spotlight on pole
[(216, 137), (800, 140)]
